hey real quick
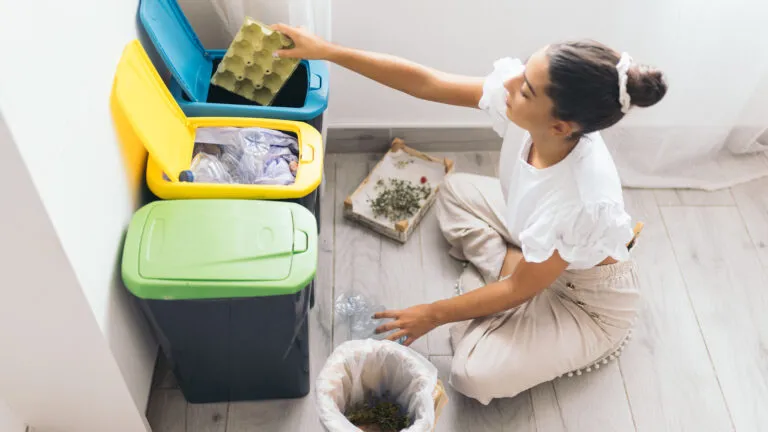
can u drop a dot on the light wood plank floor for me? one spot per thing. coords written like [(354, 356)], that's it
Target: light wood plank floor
[(698, 362)]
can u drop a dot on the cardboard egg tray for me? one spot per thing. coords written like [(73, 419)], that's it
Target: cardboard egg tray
[(249, 67)]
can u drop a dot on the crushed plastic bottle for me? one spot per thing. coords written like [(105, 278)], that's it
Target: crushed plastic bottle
[(206, 168), (356, 312)]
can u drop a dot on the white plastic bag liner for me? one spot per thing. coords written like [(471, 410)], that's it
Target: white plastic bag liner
[(359, 367)]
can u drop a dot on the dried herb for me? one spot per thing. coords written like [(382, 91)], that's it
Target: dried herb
[(398, 199), (378, 414), (403, 163)]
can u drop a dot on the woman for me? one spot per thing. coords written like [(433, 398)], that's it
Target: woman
[(556, 291)]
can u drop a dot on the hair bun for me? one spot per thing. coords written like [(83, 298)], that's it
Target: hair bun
[(646, 86)]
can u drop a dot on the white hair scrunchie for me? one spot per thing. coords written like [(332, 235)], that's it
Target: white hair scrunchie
[(623, 69)]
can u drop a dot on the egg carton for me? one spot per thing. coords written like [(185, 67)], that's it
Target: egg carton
[(250, 68)]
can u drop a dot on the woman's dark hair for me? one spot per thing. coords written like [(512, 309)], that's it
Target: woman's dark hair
[(584, 85)]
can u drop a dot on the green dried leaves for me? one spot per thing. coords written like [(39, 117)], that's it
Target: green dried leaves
[(398, 199), (378, 414)]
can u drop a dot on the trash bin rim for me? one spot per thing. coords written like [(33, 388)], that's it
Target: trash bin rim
[(308, 178)]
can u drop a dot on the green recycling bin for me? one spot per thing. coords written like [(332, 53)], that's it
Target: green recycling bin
[(225, 285)]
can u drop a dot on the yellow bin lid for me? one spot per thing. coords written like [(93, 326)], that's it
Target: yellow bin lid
[(151, 111)]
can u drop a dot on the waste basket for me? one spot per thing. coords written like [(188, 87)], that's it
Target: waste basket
[(224, 284), (360, 371)]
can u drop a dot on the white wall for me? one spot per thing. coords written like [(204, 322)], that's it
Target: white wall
[(216, 21), (59, 62), (9, 421), (57, 370), (211, 31), (713, 52)]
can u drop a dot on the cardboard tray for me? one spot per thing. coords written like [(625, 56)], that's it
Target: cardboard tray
[(357, 208)]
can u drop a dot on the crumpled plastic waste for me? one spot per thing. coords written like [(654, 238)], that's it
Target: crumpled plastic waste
[(243, 156), (355, 311), (207, 168)]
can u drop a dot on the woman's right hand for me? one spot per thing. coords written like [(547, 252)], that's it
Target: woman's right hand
[(307, 45)]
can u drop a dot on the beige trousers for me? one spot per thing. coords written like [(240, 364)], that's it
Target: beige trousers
[(575, 324)]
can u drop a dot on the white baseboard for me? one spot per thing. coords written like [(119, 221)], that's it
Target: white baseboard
[(446, 139)]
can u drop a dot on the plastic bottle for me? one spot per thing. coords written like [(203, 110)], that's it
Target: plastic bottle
[(206, 169)]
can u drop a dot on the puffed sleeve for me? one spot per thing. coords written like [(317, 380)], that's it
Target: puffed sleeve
[(494, 96), (584, 235)]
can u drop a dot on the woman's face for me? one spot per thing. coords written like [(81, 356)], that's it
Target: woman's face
[(528, 105)]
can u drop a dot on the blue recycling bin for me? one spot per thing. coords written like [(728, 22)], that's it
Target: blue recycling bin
[(303, 98)]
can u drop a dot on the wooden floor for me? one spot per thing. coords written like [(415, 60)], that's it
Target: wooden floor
[(698, 361)]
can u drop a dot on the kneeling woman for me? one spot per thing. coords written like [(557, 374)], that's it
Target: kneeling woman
[(551, 287)]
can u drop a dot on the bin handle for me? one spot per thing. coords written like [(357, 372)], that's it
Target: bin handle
[(308, 154), (319, 82)]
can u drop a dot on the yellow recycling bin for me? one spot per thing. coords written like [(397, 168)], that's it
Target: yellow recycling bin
[(146, 114)]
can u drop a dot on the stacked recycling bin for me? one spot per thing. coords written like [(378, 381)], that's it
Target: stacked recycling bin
[(223, 284), (223, 270), (304, 98)]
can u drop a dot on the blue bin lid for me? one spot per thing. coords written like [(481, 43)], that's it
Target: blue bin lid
[(178, 45)]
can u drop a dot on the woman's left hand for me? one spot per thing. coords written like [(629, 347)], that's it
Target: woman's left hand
[(413, 323)]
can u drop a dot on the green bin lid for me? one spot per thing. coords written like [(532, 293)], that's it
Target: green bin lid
[(205, 249)]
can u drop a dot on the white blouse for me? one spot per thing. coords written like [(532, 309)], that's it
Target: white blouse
[(575, 206)]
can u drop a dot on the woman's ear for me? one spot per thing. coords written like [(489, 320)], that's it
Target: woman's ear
[(564, 129)]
